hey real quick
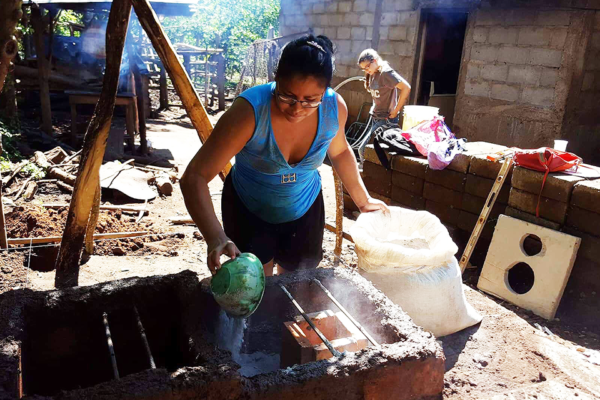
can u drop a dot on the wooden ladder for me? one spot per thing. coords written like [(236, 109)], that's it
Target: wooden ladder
[(485, 212)]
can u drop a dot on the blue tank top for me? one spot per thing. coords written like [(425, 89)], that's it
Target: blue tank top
[(268, 186)]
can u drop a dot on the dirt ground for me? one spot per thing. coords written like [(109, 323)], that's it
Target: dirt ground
[(504, 357)]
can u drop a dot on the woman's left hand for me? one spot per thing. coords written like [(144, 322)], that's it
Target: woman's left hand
[(392, 115), (374, 205)]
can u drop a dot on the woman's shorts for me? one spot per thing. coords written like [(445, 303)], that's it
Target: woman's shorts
[(293, 245)]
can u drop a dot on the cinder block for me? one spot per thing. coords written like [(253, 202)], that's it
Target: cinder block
[(343, 32), (484, 52), (387, 200), (559, 38), (408, 182), (480, 35), (586, 195), (535, 36), (460, 163), (590, 244), (398, 33), (407, 199), (523, 216), (447, 214), (474, 205), (501, 35), (360, 5), (513, 55), (523, 74), (558, 186), (505, 92), (359, 33), (584, 220), (481, 187), (549, 77), (414, 166), (553, 18), (446, 178), (344, 6), (553, 210), (467, 222), (472, 71), (377, 179), (366, 19), (545, 57), (480, 89), (442, 195), (494, 73), (538, 96)]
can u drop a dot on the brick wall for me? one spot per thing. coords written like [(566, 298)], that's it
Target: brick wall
[(457, 194)]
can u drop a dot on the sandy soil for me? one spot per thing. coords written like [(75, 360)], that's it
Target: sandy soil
[(504, 357)]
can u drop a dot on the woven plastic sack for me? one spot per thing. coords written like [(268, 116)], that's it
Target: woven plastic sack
[(403, 239), (409, 256)]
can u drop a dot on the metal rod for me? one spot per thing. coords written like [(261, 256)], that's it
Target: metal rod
[(346, 313), (144, 339), (111, 349), (312, 325)]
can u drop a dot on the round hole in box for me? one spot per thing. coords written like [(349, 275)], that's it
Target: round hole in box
[(521, 278), (532, 245)]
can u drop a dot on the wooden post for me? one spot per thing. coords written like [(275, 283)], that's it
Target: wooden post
[(164, 90), (206, 78), (10, 14), (94, 214), (43, 68), (139, 90), (189, 97), (221, 80), (270, 36), (94, 145)]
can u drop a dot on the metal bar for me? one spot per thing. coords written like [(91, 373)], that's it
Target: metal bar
[(312, 325), (111, 348), (144, 339), (346, 313)]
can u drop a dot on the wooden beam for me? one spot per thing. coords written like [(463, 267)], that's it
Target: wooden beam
[(139, 90), (94, 145), (181, 80), (59, 239), (43, 68)]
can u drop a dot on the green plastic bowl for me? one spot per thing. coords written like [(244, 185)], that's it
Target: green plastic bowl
[(239, 285)]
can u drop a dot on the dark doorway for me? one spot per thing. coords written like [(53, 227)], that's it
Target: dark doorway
[(441, 40)]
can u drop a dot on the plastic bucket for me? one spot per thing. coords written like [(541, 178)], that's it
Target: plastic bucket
[(414, 115)]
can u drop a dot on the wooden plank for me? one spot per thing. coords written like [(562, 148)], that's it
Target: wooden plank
[(485, 212), (189, 97), (58, 239), (94, 145)]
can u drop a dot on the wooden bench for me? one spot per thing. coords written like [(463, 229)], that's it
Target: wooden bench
[(127, 100)]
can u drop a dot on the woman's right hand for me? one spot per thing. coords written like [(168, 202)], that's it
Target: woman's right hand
[(215, 250)]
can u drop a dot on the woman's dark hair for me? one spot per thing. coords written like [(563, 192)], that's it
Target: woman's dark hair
[(307, 56)]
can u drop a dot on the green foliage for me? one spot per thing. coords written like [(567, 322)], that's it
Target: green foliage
[(9, 136), (237, 23), (63, 21), (33, 170)]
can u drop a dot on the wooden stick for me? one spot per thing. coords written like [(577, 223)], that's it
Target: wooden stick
[(345, 235), (22, 188), (58, 239), (64, 186), (94, 146), (3, 239), (144, 338), (52, 171), (339, 216), (114, 208), (68, 160), (485, 212), (189, 97), (111, 348), (14, 172)]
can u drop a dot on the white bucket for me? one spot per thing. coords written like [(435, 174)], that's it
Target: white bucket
[(561, 145), (414, 115)]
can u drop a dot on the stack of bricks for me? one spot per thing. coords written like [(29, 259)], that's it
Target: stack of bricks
[(457, 194)]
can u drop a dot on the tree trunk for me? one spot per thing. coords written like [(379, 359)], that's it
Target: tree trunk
[(10, 14), (94, 145), (43, 69), (179, 77), (8, 98)]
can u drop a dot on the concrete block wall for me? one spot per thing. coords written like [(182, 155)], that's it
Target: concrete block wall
[(516, 73), (389, 26), (457, 195)]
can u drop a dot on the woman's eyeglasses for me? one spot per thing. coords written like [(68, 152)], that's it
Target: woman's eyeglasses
[(291, 101), (364, 69)]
